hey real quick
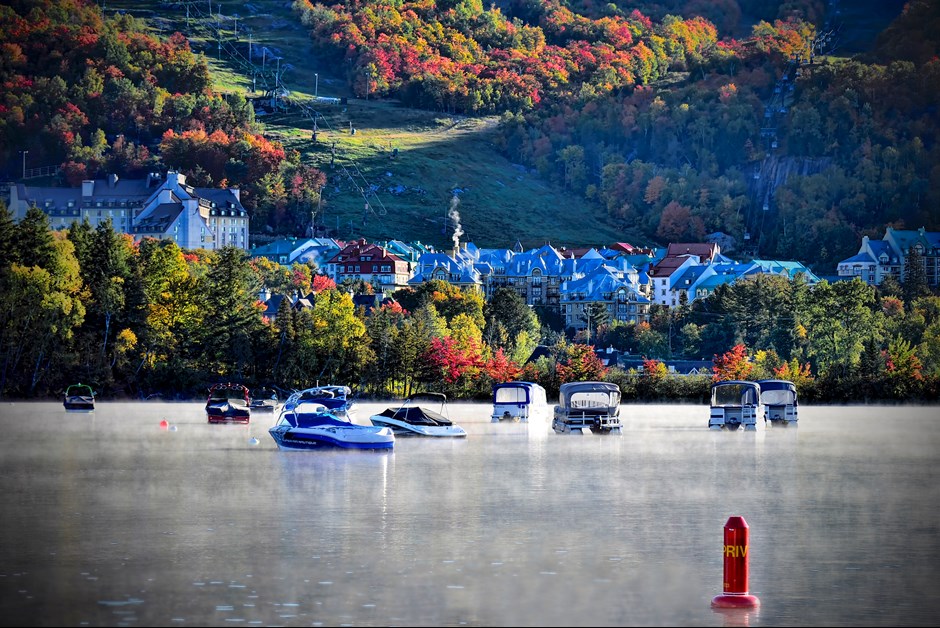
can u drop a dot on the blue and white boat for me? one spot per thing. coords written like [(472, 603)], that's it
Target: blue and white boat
[(337, 399), (304, 425), (515, 402)]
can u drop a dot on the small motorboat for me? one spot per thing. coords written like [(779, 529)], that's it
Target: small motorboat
[(410, 419), (263, 400), (228, 403), (515, 402), (337, 399), (79, 397), (305, 425), (588, 405), (734, 403), (778, 398)]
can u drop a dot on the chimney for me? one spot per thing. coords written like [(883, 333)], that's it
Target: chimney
[(112, 180), (88, 187)]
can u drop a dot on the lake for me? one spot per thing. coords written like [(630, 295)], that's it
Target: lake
[(110, 519)]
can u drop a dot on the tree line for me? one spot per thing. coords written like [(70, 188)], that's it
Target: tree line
[(139, 318)]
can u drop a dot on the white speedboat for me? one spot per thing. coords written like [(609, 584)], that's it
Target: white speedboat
[(308, 426), (410, 419)]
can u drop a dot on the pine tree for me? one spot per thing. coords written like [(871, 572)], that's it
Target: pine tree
[(915, 278)]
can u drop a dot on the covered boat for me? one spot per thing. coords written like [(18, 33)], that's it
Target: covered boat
[(518, 402), (228, 403), (337, 399), (779, 401), (305, 425), (588, 405), (79, 397), (410, 419), (263, 400), (734, 403)]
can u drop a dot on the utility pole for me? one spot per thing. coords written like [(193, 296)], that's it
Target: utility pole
[(24, 162), (316, 85), (249, 50)]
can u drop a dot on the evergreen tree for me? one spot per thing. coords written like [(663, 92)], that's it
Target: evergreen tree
[(507, 316), (915, 278), (33, 245), (7, 238)]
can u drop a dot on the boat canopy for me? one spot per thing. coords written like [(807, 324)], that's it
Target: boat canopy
[(79, 390), (416, 415), (589, 395), (735, 393), (777, 392), (228, 391), (515, 392)]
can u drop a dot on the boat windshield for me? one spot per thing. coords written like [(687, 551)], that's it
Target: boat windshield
[(511, 394), (778, 397), (734, 395), (593, 400), (223, 394), (79, 390)]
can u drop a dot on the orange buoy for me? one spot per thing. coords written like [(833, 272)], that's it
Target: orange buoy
[(735, 558)]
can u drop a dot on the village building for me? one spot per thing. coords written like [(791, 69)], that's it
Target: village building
[(160, 207)]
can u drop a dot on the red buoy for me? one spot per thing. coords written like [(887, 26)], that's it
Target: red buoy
[(164, 424), (736, 556)]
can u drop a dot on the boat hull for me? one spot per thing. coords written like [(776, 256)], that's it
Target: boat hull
[(228, 413), (402, 428), (290, 438), (264, 407), (79, 406)]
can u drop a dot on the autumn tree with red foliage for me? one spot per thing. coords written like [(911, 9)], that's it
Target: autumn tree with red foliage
[(732, 365), (582, 364), (450, 361)]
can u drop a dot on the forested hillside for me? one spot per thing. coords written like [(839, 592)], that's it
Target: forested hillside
[(651, 121), (674, 129)]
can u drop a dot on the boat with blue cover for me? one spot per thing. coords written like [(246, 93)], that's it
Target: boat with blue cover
[(515, 402), (305, 425), (228, 403)]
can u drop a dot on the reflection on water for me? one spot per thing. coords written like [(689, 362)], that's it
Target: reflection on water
[(110, 519)]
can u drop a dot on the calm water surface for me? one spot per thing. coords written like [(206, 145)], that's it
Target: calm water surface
[(109, 520)]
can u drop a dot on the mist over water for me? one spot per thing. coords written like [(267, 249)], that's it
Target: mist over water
[(111, 520)]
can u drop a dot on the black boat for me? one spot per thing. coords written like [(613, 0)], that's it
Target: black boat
[(264, 400), (79, 397)]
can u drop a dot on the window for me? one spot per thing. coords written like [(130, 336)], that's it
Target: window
[(386, 268)]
